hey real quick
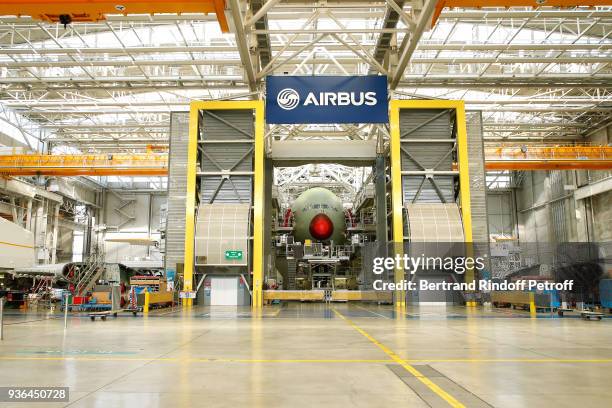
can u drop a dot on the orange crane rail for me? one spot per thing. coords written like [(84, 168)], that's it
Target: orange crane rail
[(156, 164), (84, 165), (78, 11), (530, 157), (513, 3)]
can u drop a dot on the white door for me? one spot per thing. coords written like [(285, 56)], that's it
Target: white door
[(224, 291)]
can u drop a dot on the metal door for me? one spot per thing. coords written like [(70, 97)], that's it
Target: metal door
[(224, 291)]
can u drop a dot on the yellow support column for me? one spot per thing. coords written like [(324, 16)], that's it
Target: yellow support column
[(399, 298), (464, 171), (258, 193), (258, 207), (396, 172), (190, 201)]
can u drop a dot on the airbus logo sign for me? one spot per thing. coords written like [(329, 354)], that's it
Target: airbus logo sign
[(329, 99), (288, 99)]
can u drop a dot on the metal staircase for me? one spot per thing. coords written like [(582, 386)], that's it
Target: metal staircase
[(89, 275), (42, 289), (291, 273), (42, 285)]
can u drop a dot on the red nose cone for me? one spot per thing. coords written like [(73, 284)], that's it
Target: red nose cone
[(321, 227)]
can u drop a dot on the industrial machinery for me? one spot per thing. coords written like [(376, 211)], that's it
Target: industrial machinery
[(318, 215), (311, 243), (238, 235)]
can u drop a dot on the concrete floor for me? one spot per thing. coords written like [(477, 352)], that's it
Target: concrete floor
[(304, 355)]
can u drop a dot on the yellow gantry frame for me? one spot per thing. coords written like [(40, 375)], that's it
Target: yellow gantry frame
[(258, 193), (259, 182), (397, 199)]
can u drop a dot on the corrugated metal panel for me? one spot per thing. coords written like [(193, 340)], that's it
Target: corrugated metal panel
[(412, 120), (177, 189), (418, 156), (236, 189), (478, 197), (558, 209), (434, 223), (220, 228), (235, 157), (557, 183), (428, 192), (229, 125)]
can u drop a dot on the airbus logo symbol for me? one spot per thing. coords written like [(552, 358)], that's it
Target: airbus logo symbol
[(288, 99)]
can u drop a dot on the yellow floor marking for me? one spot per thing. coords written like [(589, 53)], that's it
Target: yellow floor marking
[(510, 360), (430, 384)]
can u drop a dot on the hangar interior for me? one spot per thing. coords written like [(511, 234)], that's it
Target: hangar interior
[(142, 184)]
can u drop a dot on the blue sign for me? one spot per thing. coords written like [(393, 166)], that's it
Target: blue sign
[(326, 99)]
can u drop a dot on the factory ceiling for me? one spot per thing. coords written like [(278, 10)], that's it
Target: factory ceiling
[(109, 86)]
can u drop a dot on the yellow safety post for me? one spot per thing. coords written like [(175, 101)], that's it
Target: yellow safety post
[(532, 306), (145, 308), (258, 194)]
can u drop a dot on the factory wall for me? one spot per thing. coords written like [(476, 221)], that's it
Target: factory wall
[(599, 206), (602, 208), (65, 244), (501, 213), (546, 209), (550, 209), (129, 216)]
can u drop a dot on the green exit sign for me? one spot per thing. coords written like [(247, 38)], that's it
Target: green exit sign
[(233, 255)]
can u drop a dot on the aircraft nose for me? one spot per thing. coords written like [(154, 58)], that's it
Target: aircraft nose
[(321, 227)]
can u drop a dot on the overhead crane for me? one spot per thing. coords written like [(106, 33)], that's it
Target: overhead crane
[(513, 3), (149, 164), (543, 157), (69, 11), (78, 11), (515, 157)]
